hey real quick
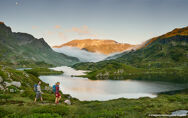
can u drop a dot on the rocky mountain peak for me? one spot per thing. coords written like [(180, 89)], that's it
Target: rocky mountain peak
[(97, 45)]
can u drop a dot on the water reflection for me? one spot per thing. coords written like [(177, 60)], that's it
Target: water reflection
[(85, 89)]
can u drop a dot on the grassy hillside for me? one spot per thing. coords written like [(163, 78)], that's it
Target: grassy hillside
[(164, 57), (24, 50), (18, 86), (22, 82)]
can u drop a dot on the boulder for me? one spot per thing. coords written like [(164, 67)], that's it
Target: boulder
[(17, 84), (12, 91), (14, 83), (68, 102), (7, 84), (21, 91), (1, 87)]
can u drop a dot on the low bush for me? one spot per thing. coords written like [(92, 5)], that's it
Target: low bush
[(59, 109), (35, 115), (3, 112)]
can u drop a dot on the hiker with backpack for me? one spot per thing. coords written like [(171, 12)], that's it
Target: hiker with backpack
[(38, 91), (57, 93)]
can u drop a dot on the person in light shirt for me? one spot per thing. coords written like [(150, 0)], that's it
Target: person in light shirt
[(38, 92)]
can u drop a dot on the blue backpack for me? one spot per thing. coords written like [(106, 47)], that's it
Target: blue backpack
[(54, 88), (35, 87)]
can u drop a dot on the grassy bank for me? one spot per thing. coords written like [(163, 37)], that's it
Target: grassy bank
[(118, 71), (43, 71)]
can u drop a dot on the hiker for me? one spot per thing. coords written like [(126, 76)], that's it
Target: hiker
[(57, 93), (38, 91)]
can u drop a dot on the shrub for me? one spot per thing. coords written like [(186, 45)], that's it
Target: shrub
[(3, 112), (35, 115), (44, 115), (59, 109), (32, 72), (28, 93), (4, 97)]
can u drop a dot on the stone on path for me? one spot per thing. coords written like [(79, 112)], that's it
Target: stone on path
[(68, 102)]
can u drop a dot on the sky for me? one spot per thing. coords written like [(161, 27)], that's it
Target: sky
[(125, 21)]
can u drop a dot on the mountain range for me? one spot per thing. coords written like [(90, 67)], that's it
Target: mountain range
[(161, 58), (23, 49), (105, 47)]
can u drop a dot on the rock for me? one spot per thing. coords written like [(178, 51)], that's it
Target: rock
[(1, 79), (7, 84), (12, 90), (47, 88), (26, 75), (1, 87), (14, 83), (17, 84), (21, 91), (68, 102)]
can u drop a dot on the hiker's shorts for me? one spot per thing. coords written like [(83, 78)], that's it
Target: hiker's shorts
[(38, 95), (57, 95)]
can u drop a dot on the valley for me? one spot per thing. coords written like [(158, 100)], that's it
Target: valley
[(93, 59), (151, 79)]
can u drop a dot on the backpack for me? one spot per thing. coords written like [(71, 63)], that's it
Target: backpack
[(35, 87), (54, 88)]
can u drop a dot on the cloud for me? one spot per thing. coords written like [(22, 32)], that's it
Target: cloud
[(82, 55), (57, 27), (50, 33), (34, 27), (84, 30), (17, 3), (62, 36), (93, 35)]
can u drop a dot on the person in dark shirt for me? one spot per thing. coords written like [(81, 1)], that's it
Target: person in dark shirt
[(57, 93)]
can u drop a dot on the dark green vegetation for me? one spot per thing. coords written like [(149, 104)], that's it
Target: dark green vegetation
[(43, 71), (23, 50), (161, 58)]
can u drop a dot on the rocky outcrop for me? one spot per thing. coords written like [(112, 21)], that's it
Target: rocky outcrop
[(13, 83)]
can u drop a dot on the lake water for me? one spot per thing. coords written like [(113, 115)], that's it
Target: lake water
[(85, 89)]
